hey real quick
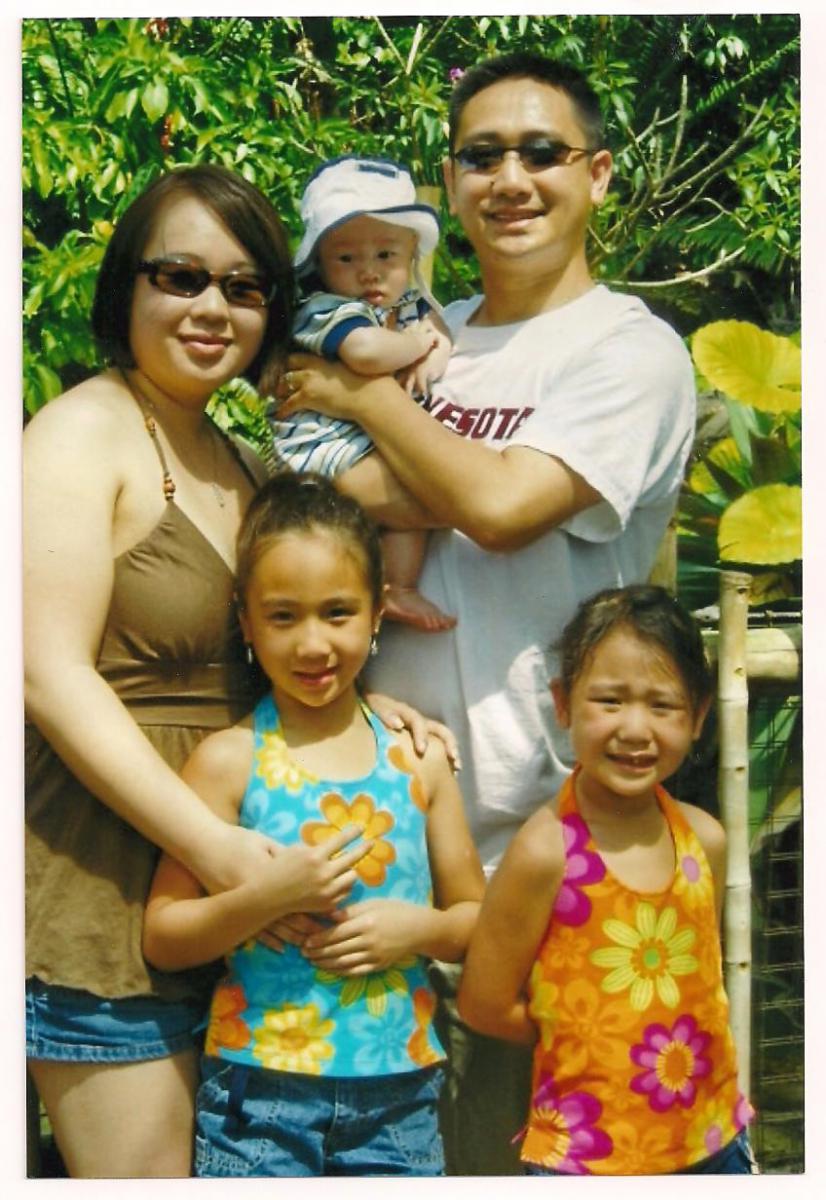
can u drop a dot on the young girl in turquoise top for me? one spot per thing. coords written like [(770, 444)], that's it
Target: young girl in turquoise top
[(320, 1055)]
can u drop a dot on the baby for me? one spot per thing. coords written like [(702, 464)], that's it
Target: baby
[(364, 302)]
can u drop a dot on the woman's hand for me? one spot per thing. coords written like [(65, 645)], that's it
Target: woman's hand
[(369, 936), (311, 382), (310, 879), (397, 715)]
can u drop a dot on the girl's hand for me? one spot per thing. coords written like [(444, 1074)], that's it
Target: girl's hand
[(293, 929), (311, 382), (397, 715), (369, 936)]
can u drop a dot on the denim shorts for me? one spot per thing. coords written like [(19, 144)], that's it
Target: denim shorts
[(69, 1025), (251, 1121), (734, 1159)]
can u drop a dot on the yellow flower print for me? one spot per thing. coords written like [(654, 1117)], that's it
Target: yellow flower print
[(373, 987), (374, 823), (711, 1010), (226, 1029), (294, 1039), (543, 1004), (646, 957), (711, 1130), (399, 759), (418, 1047), (693, 879), (565, 951), (709, 958), (639, 1151), (598, 1029), (276, 768)]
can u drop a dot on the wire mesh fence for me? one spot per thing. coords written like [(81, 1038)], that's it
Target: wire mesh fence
[(776, 828)]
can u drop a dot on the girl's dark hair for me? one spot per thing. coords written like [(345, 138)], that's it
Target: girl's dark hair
[(247, 214), (651, 614), (288, 503), (525, 64)]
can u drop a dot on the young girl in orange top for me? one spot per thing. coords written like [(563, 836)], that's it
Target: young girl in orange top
[(598, 938)]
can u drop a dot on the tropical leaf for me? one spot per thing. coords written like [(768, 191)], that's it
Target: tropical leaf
[(749, 364), (763, 527), (721, 471)]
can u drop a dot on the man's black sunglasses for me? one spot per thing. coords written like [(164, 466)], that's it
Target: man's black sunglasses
[(535, 155), (180, 277)]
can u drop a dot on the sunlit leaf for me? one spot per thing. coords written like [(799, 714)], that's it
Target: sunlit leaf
[(749, 364), (763, 527), (767, 587), (155, 99)]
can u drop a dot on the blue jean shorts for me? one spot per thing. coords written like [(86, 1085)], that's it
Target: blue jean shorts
[(251, 1121), (69, 1025), (734, 1159)]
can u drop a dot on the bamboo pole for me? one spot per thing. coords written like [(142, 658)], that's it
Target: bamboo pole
[(732, 715)]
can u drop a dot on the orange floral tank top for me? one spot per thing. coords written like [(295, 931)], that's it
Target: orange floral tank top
[(635, 1071)]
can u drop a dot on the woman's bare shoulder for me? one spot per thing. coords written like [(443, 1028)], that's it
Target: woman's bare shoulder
[(96, 411)]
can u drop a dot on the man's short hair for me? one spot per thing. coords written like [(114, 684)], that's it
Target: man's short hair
[(524, 64)]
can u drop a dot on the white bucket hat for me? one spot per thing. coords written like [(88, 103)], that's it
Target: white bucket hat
[(351, 186)]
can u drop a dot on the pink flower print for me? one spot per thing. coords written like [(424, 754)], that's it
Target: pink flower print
[(691, 868), (572, 906), (672, 1059), (743, 1112), (563, 1129)]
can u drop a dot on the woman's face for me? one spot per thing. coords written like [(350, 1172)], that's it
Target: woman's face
[(189, 346)]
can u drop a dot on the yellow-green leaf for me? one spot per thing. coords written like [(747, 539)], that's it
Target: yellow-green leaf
[(763, 527), (155, 99), (724, 455), (749, 364)]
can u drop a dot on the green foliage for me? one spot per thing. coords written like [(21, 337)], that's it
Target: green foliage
[(703, 116), (741, 504)]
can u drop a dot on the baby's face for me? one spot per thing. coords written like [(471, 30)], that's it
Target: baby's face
[(367, 259)]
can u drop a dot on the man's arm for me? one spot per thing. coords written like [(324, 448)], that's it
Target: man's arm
[(501, 500)]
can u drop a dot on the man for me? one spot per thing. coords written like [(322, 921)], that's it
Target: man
[(574, 408)]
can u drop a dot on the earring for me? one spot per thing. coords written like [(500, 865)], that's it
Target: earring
[(249, 653), (374, 645)]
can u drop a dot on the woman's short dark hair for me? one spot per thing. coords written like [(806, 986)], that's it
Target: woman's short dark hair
[(525, 64), (651, 614), (290, 503), (249, 217)]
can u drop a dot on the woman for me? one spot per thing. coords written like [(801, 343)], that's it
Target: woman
[(133, 502)]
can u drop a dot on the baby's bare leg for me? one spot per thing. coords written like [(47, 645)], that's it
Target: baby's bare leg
[(377, 489), (403, 556)]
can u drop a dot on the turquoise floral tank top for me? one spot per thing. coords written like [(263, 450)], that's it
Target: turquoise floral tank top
[(282, 1012)]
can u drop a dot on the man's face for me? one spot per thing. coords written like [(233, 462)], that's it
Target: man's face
[(514, 211)]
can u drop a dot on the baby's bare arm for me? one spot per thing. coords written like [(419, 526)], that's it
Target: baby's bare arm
[(370, 350)]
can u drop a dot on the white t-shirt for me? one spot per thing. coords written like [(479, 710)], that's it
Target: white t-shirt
[(608, 388)]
